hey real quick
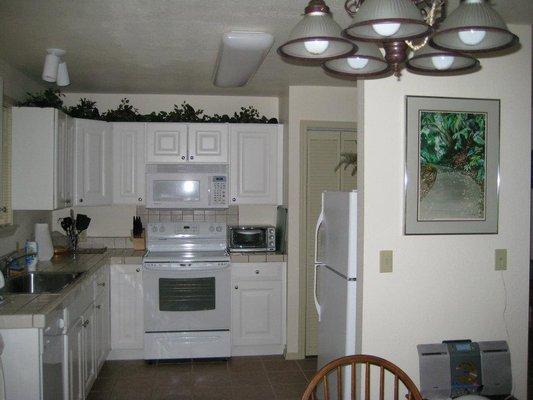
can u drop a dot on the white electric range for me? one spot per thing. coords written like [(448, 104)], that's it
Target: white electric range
[(186, 282)]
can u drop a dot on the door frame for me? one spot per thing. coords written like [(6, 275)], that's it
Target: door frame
[(305, 125)]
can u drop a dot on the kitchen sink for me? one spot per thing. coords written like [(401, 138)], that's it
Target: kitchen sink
[(41, 282)]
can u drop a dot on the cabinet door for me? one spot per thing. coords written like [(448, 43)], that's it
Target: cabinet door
[(60, 160), (102, 329), (75, 360), (254, 164), (88, 340), (166, 143), (128, 163), (93, 163), (69, 161), (208, 143), (256, 313), (127, 325)]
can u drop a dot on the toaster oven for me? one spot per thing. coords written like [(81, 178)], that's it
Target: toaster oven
[(251, 238)]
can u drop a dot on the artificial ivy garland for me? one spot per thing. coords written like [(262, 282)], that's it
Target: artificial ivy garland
[(125, 112)]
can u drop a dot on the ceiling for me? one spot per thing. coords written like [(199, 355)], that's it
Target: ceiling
[(165, 46)]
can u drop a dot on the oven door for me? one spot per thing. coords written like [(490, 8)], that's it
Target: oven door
[(248, 239), (192, 299)]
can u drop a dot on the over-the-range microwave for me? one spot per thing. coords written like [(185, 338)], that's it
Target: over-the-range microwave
[(186, 186)]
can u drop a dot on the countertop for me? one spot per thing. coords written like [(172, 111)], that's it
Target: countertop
[(19, 311)]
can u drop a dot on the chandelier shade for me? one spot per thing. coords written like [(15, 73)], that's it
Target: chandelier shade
[(317, 37), (474, 27), (387, 20), (368, 62), (443, 62)]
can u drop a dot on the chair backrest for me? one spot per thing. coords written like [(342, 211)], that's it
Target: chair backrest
[(331, 380)]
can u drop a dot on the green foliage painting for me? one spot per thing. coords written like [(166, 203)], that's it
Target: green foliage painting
[(452, 159)]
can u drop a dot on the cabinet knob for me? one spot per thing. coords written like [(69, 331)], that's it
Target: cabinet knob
[(236, 286), (3, 209), (183, 157), (85, 323), (257, 272), (234, 199), (138, 270), (101, 284), (191, 157), (140, 199), (99, 306), (81, 200)]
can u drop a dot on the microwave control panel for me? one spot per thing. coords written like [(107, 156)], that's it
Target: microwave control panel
[(219, 190)]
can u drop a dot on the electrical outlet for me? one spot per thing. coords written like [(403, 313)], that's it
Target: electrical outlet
[(385, 261), (501, 259)]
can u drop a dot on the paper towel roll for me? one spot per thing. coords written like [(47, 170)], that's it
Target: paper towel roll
[(44, 242)]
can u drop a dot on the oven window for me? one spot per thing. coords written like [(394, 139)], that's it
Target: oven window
[(191, 294), (251, 238), (176, 190)]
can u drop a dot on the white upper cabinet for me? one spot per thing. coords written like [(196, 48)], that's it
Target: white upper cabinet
[(93, 163), (42, 161), (208, 143), (166, 143), (256, 164), (128, 163), (179, 143)]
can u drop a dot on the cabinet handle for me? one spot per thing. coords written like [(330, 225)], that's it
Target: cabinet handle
[(81, 200), (101, 284), (99, 306), (257, 272), (85, 324), (183, 157), (234, 199), (138, 270), (3, 209), (191, 157), (236, 286), (140, 199)]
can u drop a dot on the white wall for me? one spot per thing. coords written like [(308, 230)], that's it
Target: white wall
[(311, 103), (16, 84), (445, 287), (147, 103)]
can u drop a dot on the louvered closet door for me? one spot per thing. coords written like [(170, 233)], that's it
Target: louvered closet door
[(323, 154)]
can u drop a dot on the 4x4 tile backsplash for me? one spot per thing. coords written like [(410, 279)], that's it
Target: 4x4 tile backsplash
[(228, 215)]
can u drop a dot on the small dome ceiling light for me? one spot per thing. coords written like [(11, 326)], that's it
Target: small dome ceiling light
[(399, 27), (317, 37)]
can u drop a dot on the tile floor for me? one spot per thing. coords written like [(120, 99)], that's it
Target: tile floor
[(240, 378)]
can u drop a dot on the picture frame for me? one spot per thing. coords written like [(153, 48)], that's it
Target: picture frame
[(452, 166)]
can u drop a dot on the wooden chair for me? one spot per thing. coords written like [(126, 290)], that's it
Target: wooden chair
[(322, 379)]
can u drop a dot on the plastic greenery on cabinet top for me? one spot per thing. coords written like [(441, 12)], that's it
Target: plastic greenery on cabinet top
[(348, 160), (126, 112)]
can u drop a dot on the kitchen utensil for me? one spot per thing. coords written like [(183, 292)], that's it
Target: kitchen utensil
[(82, 222)]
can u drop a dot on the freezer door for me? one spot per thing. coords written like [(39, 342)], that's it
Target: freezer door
[(336, 329), (340, 232)]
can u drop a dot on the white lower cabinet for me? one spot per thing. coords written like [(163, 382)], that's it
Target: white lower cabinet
[(127, 324), (102, 329), (258, 308), (75, 360)]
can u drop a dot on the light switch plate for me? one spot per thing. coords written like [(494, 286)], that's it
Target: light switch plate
[(385, 261), (500, 259)]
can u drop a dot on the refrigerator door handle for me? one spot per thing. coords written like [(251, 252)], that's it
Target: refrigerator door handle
[(318, 223), (315, 293)]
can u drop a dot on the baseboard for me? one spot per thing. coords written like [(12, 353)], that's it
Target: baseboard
[(265, 350), (128, 354), (293, 356)]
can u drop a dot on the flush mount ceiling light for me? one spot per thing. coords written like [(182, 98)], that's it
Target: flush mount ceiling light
[(55, 70), (317, 37), (240, 55), (404, 26)]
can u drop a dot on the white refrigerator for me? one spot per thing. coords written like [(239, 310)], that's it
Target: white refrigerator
[(335, 276)]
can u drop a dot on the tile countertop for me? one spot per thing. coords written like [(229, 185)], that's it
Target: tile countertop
[(20, 311)]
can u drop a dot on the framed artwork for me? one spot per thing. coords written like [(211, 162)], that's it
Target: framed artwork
[(452, 165)]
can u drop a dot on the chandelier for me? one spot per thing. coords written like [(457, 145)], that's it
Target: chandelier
[(415, 34)]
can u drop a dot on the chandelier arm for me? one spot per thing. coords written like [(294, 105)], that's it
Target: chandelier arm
[(430, 19)]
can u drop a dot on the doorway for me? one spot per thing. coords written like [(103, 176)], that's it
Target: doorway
[(321, 149)]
